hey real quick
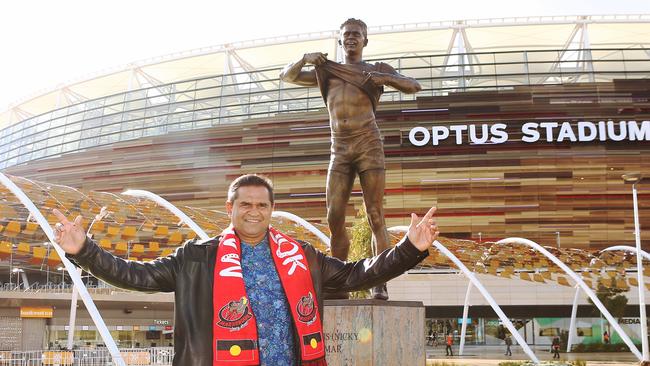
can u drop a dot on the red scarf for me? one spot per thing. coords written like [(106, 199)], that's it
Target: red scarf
[(234, 328)]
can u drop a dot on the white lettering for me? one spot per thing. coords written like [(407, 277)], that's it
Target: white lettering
[(414, 140), (458, 130), (438, 133), (566, 132), (232, 271), (530, 132), (295, 262), (231, 258), (602, 131), (231, 242), (472, 134), (280, 240), (612, 133), (582, 131), (549, 126), (499, 132), (293, 258), (637, 133)]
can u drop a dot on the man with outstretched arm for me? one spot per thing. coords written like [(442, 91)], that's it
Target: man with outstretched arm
[(351, 91), (252, 295)]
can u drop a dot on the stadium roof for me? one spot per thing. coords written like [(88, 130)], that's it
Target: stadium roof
[(448, 37)]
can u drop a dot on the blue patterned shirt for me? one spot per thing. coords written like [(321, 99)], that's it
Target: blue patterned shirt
[(269, 303)]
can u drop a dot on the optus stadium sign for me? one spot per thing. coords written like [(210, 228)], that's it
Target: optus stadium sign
[(530, 132)]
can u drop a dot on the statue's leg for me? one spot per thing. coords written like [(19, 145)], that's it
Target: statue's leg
[(339, 187), (373, 182)]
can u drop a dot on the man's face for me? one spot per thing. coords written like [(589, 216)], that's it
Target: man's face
[(352, 38), (250, 213)]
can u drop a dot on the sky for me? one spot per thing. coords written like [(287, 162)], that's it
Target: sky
[(48, 43)]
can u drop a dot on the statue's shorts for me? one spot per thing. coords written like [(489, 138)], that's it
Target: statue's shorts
[(357, 153)]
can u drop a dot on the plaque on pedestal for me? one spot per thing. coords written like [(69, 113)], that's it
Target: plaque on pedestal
[(374, 332)]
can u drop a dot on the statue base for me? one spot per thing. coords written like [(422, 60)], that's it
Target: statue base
[(374, 332)]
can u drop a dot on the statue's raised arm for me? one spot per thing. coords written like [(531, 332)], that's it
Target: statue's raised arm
[(294, 73)]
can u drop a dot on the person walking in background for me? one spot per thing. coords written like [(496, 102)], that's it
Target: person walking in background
[(555, 347), (508, 341), (606, 337), (449, 342), (430, 337)]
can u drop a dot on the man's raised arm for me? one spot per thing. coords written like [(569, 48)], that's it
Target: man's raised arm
[(388, 76), (293, 73)]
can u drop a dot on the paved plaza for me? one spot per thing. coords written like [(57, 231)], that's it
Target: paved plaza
[(492, 355)]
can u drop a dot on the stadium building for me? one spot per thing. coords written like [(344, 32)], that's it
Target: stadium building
[(523, 128)]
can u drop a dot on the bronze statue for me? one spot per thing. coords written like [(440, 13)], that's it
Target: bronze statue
[(351, 91)]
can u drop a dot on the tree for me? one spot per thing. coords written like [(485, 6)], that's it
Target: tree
[(360, 245), (613, 299)]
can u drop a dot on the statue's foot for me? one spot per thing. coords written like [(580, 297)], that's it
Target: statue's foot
[(336, 296), (379, 292)]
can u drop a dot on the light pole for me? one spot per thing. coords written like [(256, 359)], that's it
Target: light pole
[(634, 178), (557, 239)]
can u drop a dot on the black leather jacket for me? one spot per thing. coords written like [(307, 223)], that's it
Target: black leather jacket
[(189, 272)]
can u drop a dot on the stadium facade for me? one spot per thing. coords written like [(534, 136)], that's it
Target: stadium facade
[(523, 128)]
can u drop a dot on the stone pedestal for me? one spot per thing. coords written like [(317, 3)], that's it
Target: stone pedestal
[(374, 332)]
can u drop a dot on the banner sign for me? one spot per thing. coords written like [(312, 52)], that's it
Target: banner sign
[(36, 312)]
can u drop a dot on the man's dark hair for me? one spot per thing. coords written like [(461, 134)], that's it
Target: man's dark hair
[(249, 180), (359, 22)]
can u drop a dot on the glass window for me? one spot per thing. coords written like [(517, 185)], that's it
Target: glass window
[(25, 157), (110, 129), (156, 110), (53, 141), (108, 139), (93, 113), (43, 126), (71, 146), (115, 108), (54, 150), (90, 142), (129, 135), (74, 118), (95, 122), (154, 131), (90, 132), (72, 127), (37, 154), (72, 136), (57, 131), (113, 118), (133, 115), (130, 125)]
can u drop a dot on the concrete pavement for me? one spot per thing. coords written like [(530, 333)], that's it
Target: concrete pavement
[(492, 355)]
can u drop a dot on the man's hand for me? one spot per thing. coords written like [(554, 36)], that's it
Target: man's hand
[(69, 235), (422, 232), (378, 78), (316, 58)]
